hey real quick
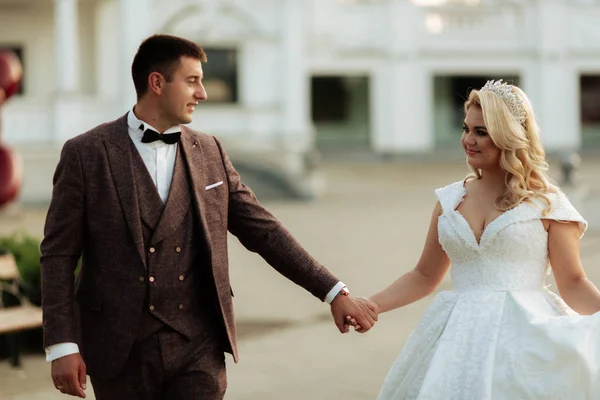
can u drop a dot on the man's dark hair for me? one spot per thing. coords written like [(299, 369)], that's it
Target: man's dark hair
[(161, 53)]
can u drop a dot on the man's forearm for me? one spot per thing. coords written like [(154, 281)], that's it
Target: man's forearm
[(260, 232), (57, 275)]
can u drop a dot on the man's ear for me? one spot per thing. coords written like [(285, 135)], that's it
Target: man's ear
[(156, 83)]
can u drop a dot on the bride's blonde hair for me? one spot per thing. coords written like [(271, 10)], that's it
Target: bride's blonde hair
[(522, 155)]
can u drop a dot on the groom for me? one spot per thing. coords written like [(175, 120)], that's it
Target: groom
[(146, 203)]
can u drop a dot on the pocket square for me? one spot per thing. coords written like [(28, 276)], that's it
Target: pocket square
[(214, 185)]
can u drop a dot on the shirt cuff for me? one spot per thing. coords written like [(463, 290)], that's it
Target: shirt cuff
[(57, 351), (333, 292)]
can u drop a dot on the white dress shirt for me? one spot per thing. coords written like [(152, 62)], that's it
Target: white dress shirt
[(159, 158)]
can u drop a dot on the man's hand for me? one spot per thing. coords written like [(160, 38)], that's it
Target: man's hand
[(364, 313), (370, 307), (68, 375)]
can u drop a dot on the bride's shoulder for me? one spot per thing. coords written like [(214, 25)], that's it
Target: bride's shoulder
[(454, 187), (449, 195), (561, 208)]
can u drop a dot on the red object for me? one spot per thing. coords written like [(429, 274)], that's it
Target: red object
[(11, 173), (11, 170), (11, 73)]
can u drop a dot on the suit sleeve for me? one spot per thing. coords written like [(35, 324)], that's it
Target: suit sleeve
[(61, 248), (260, 232)]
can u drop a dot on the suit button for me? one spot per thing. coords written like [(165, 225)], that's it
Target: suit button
[(151, 308), (142, 278), (151, 279), (181, 306), (180, 277), (178, 249), (152, 250)]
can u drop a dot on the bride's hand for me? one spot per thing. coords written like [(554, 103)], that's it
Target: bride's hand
[(369, 307)]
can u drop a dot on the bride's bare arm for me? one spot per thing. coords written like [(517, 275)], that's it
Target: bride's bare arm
[(573, 285), (423, 279)]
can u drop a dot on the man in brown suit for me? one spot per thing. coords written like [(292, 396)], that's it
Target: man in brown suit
[(146, 203)]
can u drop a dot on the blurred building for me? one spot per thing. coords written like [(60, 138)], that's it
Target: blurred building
[(285, 77)]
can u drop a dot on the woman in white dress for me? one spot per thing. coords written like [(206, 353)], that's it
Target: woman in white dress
[(499, 333)]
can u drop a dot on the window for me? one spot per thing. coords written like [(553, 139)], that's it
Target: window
[(461, 86), (19, 53), (590, 100), (330, 99), (590, 109), (340, 111), (449, 95), (221, 75)]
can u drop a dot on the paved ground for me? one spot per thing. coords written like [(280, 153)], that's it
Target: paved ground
[(368, 229)]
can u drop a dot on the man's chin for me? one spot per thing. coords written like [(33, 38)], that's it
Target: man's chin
[(185, 120)]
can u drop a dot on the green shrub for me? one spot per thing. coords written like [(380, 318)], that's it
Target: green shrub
[(26, 250)]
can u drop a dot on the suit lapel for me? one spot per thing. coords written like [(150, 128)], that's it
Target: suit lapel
[(196, 164), (178, 202), (118, 148)]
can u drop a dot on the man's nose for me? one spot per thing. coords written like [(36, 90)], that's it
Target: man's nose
[(201, 94)]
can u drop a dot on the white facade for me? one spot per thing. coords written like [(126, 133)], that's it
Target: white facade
[(77, 56)]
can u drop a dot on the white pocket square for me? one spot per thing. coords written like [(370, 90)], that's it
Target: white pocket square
[(214, 185)]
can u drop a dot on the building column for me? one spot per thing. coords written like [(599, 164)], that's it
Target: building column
[(135, 26), (295, 81), (403, 86), (556, 98), (107, 57), (254, 95), (66, 24)]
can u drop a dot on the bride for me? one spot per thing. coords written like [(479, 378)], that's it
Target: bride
[(499, 333)]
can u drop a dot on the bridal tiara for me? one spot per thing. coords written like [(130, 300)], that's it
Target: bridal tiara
[(511, 99)]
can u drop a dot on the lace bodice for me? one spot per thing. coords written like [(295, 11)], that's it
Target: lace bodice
[(513, 251)]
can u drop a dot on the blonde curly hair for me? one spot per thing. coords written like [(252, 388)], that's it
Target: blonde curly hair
[(521, 153)]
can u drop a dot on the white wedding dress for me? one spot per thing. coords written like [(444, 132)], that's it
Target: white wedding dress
[(500, 333)]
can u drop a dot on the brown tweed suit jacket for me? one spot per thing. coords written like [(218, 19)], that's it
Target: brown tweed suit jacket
[(94, 214)]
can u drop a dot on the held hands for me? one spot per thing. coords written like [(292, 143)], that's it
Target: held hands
[(367, 304), (358, 312)]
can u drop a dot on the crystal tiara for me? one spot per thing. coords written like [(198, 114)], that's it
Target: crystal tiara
[(511, 99)]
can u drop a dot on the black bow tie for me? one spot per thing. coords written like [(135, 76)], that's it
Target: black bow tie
[(152, 136)]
